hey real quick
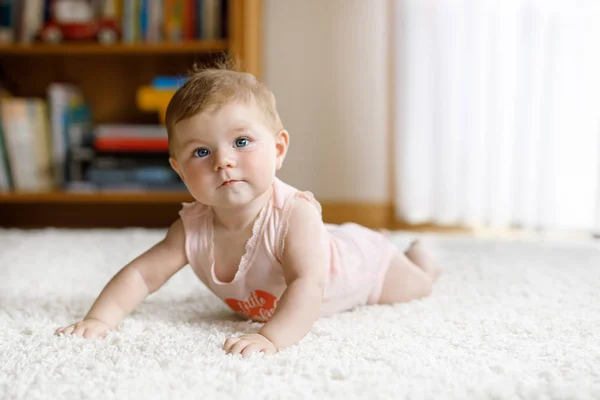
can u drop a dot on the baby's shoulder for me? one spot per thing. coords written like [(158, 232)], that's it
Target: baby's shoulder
[(286, 197), (193, 209)]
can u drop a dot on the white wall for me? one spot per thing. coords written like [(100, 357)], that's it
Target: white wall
[(326, 61)]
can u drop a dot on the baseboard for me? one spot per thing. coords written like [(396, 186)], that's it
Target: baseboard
[(377, 216), (371, 215), (115, 215)]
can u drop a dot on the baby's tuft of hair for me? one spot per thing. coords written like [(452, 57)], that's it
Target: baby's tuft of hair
[(209, 88)]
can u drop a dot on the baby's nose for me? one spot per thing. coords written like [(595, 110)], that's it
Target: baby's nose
[(224, 159)]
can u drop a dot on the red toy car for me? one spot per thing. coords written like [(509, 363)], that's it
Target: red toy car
[(77, 20)]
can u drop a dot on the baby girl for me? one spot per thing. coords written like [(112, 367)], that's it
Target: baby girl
[(256, 242)]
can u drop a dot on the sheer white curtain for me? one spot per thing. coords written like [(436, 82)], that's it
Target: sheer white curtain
[(497, 112)]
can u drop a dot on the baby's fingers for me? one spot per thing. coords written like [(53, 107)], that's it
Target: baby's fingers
[(251, 348), (79, 329), (94, 333), (67, 330), (229, 343), (238, 347), (268, 350)]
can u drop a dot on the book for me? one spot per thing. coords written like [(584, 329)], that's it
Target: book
[(5, 178), (32, 20), (19, 144), (131, 138), (26, 143), (61, 98), (37, 116), (7, 26)]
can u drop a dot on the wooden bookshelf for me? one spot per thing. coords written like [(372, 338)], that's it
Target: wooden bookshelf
[(90, 210), (196, 46), (118, 197), (109, 77)]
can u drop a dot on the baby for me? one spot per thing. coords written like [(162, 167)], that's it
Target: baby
[(257, 243)]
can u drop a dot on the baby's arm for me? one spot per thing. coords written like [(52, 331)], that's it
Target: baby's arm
[(130, 286), (304, 265)]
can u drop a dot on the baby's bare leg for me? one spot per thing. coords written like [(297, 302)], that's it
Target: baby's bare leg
[(423, 258), (410, 276), (404, 281)]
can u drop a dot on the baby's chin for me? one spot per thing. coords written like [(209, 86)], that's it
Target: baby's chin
[(229, 198)]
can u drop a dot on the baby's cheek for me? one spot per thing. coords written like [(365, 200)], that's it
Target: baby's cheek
[(253, 163), (260, 160), (195, 180)]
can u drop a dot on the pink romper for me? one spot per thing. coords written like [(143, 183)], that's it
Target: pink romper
[(358, 258)]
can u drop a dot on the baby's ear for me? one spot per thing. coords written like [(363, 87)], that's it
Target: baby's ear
[(282, 141), (175, 167)]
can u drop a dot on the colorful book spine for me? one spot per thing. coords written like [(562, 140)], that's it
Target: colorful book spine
[(5, 174), (61, 98), (131, 138), (19, 139)]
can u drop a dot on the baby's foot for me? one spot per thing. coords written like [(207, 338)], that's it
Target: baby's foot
[(424, 259)]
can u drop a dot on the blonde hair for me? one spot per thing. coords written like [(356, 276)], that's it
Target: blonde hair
[(209, 89)]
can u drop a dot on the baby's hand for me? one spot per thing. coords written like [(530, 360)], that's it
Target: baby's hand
[(89, 328), (248, 344)]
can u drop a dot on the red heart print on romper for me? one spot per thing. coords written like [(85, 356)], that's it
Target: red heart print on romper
[(259, 306)]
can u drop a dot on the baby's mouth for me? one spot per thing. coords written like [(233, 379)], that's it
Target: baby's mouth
[(229, 183)]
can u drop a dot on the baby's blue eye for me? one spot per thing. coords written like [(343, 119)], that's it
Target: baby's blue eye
[(201, 152), (241, 142)]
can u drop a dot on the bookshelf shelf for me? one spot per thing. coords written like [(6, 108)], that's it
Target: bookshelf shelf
[(118, 197), (196, 46)]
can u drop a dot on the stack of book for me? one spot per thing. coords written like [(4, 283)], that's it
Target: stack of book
[(128, 157), (48, 144), (25, 146), (36, 135)]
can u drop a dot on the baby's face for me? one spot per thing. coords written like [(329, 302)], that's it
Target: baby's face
[(227, 158)]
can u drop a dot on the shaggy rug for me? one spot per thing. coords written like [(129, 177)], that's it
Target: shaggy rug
[(508, 319)]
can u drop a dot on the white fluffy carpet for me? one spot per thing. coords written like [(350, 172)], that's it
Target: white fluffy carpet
[(507, 320)]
